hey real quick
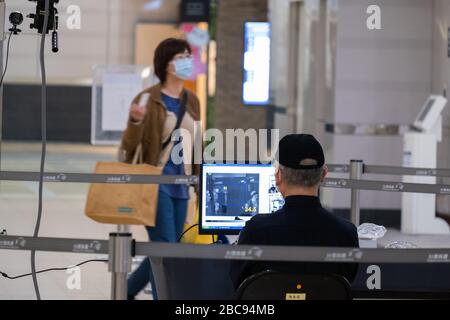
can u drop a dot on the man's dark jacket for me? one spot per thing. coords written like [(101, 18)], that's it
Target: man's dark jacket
[(301, 222)]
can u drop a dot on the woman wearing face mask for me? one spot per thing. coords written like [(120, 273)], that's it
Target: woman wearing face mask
[(169, 107)]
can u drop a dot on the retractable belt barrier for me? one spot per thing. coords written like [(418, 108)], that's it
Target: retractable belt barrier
[(54, 244), (430, 172), (121, 247), (98, 178), (232, 252), (374, 185), (387, 186), (370, 169)]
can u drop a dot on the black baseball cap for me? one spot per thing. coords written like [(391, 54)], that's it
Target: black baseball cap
[(294, 148)]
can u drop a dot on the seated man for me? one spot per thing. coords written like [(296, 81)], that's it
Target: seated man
[(302, 221)]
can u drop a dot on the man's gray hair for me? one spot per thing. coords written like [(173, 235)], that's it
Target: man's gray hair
[(302, 178)]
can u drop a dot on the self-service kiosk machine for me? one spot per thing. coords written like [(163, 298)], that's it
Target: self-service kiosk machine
[(420, 151)]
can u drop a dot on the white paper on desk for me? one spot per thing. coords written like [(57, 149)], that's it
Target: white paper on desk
[(118, 92)]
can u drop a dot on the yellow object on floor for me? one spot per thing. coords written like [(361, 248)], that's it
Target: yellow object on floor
[(192, 236)]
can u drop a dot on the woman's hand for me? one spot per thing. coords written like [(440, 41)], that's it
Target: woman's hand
[(137, 113)]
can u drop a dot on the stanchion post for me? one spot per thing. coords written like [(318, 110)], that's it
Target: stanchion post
[(356, 171), (120, 255), (159, 276)]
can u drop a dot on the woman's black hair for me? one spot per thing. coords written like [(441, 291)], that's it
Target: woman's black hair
[(165, 52)]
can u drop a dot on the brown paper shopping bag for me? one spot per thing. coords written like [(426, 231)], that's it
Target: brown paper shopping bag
[(124, 203)]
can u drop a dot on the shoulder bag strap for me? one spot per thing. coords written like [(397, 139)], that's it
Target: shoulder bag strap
[(179, 119)]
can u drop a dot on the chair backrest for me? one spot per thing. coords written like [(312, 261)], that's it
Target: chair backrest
[(271, 285)]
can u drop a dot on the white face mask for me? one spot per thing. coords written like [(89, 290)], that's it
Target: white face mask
[(184, 68)]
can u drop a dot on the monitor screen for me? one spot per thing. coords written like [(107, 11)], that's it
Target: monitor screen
[(231, 194), (255, 88), (426, 110), (430, 114)]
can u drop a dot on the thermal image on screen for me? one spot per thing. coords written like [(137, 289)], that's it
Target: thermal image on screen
[(233, 193)]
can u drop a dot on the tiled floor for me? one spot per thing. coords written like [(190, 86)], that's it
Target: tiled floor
[(63, 217)]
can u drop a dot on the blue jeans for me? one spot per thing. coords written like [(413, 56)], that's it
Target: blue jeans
[(170, 217)]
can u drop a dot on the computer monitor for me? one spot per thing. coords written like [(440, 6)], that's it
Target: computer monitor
[(231, 194)]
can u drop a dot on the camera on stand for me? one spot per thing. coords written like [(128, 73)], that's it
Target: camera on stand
[(39, 19), (16, 19)]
